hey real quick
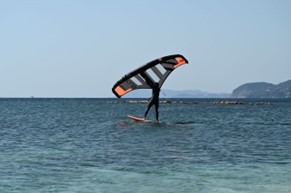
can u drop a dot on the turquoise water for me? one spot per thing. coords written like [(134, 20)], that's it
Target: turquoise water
[(89, 145)]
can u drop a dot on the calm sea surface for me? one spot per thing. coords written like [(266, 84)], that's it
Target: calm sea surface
[(89, 145)]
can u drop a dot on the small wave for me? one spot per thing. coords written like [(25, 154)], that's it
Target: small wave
[(184, 122)]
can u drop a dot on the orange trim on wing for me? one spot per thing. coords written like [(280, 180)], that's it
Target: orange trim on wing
[(180, 61), (120, 91)]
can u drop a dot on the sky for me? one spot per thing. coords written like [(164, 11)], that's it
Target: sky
[(80, 48)]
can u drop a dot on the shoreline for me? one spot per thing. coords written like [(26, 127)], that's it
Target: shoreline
[(218, 102)]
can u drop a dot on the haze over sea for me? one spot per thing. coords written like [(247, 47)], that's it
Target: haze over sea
[(89, 145)]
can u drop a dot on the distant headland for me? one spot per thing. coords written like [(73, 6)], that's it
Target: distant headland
[(263, 90), (248, 90)]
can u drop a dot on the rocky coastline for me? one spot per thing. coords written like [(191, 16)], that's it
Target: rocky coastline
[(218, 102)]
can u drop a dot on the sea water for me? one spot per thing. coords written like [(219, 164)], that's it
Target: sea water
[(89, 145)]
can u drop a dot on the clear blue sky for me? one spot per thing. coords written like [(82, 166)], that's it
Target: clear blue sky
[(80, 48)]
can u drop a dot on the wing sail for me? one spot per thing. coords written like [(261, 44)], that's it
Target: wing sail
[(145, 76)]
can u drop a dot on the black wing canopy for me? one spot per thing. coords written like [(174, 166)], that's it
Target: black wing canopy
[(145, 76)]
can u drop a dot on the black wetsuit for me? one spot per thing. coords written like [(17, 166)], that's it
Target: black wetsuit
[(154, 100)]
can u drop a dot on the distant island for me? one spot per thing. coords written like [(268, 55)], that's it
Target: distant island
[(263, 90), (248, 90)]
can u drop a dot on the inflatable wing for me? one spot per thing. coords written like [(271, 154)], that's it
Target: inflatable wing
[(145, 76)]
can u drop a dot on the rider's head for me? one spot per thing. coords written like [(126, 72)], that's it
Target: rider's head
[(156, 85)]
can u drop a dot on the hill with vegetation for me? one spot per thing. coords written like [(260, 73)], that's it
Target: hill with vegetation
[(263, 90)]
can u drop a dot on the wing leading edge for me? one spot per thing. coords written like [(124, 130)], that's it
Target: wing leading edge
[(145, 76)]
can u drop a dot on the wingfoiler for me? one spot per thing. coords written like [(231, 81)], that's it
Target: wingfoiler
[(146, 75)]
